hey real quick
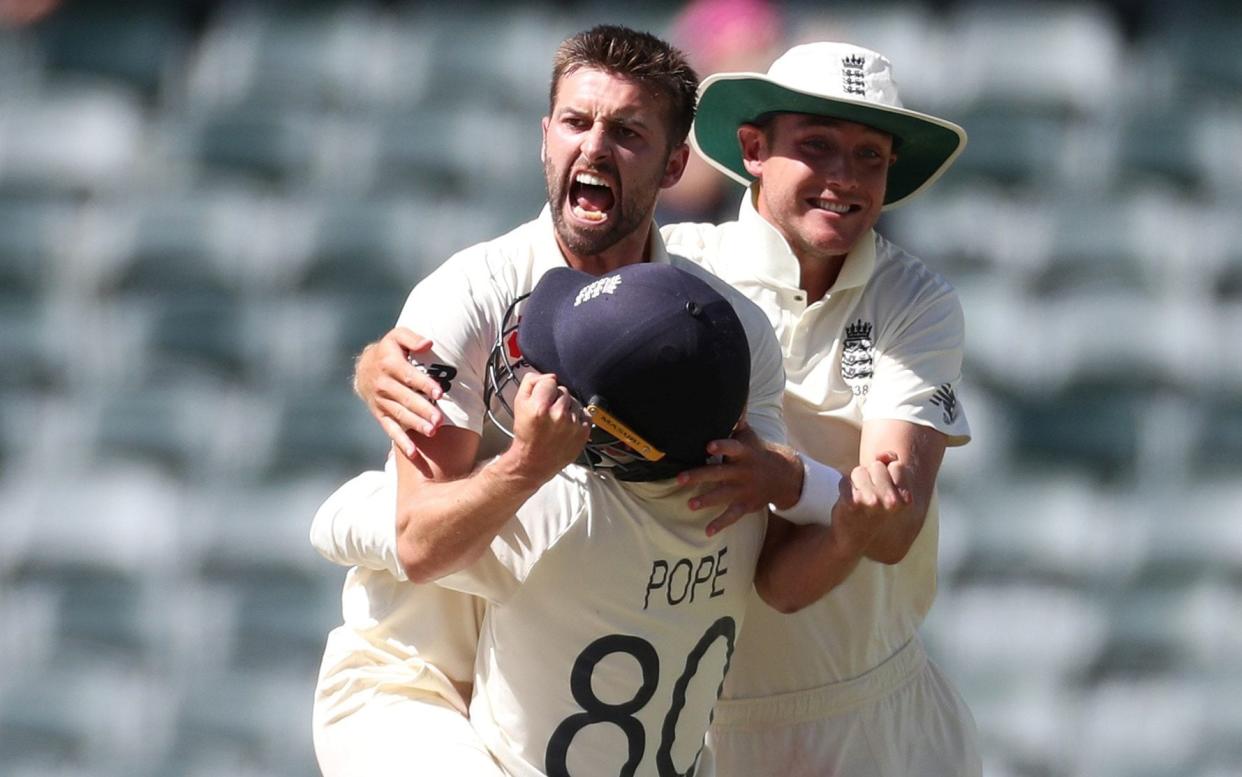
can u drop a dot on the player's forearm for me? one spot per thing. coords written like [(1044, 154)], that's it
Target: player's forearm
[(443, 526), (893, 542), (921, 449), (801, 563)]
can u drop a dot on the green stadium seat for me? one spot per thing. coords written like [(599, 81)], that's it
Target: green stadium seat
[(1010, 147), (1160, 142), (174, 251), (29, 232), (325, 431), (244, 723), (260, 144), (1035, 56), (1199, 39), (1089, 427), (200, 333), (71, 140), (140, 45), (29, 353), (1218, 444), (358, 250)]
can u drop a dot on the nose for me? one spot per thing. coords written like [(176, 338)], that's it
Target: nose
[(595, 142), (838, 170)]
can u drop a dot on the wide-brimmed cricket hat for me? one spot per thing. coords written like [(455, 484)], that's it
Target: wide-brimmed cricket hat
[(839, 80)]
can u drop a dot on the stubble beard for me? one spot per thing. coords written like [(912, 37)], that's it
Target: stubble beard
[(623, 220)]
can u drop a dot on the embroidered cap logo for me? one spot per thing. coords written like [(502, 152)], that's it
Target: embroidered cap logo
[(852, 75), (605, 285)]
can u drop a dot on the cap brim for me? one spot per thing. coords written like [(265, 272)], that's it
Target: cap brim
[(928, 145)]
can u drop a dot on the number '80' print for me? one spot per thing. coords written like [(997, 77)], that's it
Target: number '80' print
[(621, 715)]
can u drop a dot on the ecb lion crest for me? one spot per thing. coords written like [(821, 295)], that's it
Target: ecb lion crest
[(858, 357)]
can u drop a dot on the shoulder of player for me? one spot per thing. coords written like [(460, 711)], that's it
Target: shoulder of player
[(697, 242), (500, 254), (542, 522), (904, 278), (750, 314), (905, 296), (497, 264)]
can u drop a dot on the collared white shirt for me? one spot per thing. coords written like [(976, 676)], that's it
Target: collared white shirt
[(885, 341), (460, 308), (610, 623)]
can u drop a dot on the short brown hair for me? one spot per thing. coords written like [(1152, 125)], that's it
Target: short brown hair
[(639, 56)]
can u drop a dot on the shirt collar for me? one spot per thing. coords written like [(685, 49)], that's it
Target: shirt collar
[(767, 254)]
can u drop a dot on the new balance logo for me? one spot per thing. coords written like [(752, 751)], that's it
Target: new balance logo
[(946, 400), (440, 373), (605, 285)]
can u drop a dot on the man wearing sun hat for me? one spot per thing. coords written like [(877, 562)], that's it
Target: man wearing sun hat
[(872, 341)]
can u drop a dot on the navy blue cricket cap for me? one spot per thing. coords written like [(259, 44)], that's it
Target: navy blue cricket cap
[(654, 346)]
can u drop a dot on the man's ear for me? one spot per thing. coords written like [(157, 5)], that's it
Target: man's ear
[(543, 139), (676, 165), (754, 145)]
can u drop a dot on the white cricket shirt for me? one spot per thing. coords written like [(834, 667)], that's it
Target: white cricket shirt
[(885, 342), (612, 618), (461, 305)]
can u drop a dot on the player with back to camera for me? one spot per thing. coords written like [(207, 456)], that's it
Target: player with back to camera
[(400, 667), (611, 615), (872, 343)]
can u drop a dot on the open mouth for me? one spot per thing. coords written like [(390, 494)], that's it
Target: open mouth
[(590, 197), (832, 206)]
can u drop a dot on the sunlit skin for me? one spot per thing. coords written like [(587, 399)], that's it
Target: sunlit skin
[(822, 185), (617, 131)]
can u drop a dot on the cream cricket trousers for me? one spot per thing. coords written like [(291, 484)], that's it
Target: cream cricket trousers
[(901, 719)]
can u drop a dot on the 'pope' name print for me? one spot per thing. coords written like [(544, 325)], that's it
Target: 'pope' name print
[(679, 581)]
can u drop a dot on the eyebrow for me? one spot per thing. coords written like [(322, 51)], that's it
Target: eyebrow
[(622, 120), (812, 120)]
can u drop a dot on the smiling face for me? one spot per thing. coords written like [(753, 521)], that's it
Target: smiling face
[(606, 155), (822, 181)]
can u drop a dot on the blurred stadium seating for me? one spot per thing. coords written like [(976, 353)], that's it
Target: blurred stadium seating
[(207, 208)]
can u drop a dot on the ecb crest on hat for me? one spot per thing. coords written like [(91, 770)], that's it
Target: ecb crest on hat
[(852, 79), (836, 80)]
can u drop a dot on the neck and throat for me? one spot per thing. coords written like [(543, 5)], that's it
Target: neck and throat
[(818, 269), (817, 274)]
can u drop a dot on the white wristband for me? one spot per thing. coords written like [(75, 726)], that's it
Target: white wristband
[(819, 493)]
